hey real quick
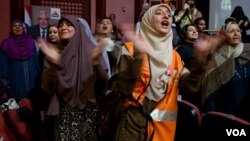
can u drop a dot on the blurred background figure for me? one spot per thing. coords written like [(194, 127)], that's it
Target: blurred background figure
[(107, 30), (175, 27), (145, 7), (200, 24), (117, 26), (243, 22), (53, 36), (188, 14)]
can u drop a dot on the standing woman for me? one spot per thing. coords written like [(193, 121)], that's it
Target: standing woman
[(242, 21), (230, 94), (79, 76), (150, 113), (18, 60)]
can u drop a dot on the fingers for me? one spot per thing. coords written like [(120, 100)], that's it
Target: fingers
[(207, 47), (42, 44), (128, 31), (97, 52), (96, 55), (41, 41)]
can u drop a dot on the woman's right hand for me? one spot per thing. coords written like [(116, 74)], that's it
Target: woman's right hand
[(51, 51)]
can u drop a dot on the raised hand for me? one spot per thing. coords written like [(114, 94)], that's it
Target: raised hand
[(51, 51), (129, 32), (97, 52), (207, 47)]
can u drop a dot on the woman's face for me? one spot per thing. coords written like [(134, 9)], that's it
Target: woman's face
[(17, 29), (233, 34), (191, 34), (66, 30), (106, 27), (53, 34), (162, 20)]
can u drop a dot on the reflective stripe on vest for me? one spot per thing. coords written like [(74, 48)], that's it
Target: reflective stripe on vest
[(163, 115)]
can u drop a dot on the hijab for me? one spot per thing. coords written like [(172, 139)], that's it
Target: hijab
[(224, 58), (227, 50), (160, 53), (238, 13), (19, 47), (76, 75)]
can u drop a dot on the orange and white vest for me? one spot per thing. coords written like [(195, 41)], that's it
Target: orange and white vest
[(165, 113)]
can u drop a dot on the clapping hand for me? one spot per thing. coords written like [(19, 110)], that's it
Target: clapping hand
[(51, 51), (207, 47), (129, 32), (98, 51)]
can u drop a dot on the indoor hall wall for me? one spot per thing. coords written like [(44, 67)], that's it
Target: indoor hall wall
[(123, 9), (4, 18)]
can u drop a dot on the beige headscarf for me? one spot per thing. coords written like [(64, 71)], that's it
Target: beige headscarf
[(227, 50), (160, 54)]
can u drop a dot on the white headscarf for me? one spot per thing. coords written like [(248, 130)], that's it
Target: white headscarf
[(160, 54)]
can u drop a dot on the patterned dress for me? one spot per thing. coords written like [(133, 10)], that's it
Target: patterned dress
[(75, 124)]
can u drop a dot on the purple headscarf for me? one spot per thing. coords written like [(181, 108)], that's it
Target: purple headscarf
[(18, 47)]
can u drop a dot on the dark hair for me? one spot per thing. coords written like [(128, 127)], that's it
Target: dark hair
[(230, 19), (197, 20), (192, 4), (184, 31), (238, 12), (114, 28), (105, 18), (173, 2)]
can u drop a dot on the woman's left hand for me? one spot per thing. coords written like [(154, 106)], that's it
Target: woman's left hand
[(97, 52)]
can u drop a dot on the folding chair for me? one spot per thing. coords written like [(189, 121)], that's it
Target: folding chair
[(188, 121)]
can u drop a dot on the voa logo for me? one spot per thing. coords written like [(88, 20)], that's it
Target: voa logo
[(236, 132)]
